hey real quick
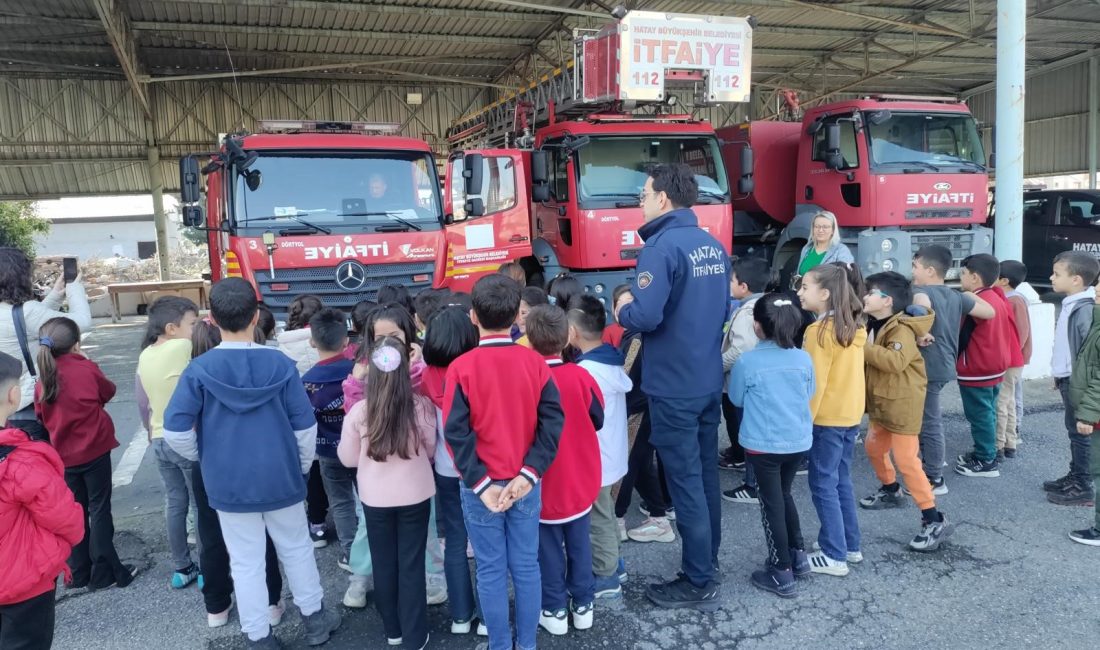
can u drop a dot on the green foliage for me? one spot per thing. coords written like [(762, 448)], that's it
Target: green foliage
[(196, 237), (19, 223)]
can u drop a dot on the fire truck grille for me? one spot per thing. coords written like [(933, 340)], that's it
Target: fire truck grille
[(954, 213), (959, 243), (278, 292)]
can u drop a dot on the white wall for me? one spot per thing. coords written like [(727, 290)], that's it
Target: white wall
[(100, 240)]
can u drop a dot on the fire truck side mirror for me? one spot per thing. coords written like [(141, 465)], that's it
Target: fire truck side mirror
[(475, 207), (833, 158), (193, 216), (540, 193), (189, 180), (540, 166), (745, 184), (472, 173)]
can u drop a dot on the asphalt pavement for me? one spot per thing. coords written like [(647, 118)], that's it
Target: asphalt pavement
[(1009, 576)]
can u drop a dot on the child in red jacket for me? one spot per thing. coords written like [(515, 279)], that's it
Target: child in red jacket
[(83, 434), (39, 523), (987, 349), (571, 484)]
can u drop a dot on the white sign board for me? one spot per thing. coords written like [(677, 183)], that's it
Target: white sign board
[(653, 43)]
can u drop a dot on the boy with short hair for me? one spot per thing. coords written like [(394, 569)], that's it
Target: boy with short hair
[(166, 355), (748, 282), (428, 303), (42, 523), (986, 350), (896, 382), (567, 533), (587, 322), (930, 267), (503, 419), (1084, 392), (1013, 273), (245, 401), (1075, 273), (324, 385)]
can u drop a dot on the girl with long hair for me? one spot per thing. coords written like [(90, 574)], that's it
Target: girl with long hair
[(835, 343), (69, 399), (390, 436)]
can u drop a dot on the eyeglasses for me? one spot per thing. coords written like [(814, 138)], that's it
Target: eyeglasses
[(876, 292), (642, 195), (825, 226)]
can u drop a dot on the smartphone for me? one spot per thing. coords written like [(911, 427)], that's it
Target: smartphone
[(71, 269)]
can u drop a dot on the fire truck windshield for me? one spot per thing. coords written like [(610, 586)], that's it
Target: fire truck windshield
[(933, 141), (612, 170), (338, 192)]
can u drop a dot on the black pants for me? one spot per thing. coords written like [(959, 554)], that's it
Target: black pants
[(316, 497), (214, 558), (774, 475), (398, 538), (28, 625), (641, 475), (732, 416), (1080, 447), (94, 560)]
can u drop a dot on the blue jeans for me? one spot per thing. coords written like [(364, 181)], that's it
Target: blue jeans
[(456, 567), (685, 434), (175, 473), (506, 542), (831, 489), (340, 486), (565, 561)]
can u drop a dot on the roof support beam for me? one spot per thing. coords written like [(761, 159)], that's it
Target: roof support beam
[(359, 8), (121, 35), (352, 34)]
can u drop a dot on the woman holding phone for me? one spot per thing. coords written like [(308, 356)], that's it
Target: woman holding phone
[(17, 300)]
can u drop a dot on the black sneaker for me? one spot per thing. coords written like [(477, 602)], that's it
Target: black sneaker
[(681, 594), (1088, 536), (269, 642), (730, 464), (320, 625), (883, 499), (979, 469), (962, 459), (931, 535), (1073, 494), (800, 563), (1000, 456), (1058, 484), (780, 583), (741, 494), (1010, 453)]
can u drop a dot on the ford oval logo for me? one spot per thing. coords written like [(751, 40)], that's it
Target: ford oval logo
[(941, 187)]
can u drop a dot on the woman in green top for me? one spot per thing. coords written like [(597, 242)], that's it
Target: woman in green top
[(824, 246)]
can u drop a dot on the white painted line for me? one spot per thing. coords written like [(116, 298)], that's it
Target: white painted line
[(131, 459)]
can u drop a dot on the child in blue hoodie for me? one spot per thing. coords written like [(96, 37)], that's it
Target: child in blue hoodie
[(773, 383), (324, 384), (240, 410)]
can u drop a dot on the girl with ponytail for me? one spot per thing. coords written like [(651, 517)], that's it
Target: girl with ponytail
[(69, 400)]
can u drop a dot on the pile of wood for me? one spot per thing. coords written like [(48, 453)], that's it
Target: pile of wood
[(100, 272)]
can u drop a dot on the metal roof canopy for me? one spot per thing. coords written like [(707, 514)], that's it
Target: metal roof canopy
[(101, 96)]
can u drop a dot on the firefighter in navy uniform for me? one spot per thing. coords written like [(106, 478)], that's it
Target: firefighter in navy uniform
[(681, 295)]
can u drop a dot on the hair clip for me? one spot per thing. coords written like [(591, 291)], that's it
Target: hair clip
[(386, 358), (45, 341), (782, 302)]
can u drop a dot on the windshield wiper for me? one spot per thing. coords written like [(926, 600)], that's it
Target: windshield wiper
[(391, 215), (713, 197), (972, 168), (293, 217), (926, 165)]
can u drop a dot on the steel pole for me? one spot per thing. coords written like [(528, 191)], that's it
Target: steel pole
[(1094, 117), (1011, 70), (156, 188)]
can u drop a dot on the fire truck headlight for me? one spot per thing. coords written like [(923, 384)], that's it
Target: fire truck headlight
[(987, 241), (599, 288), (888, 265), (887, 245)]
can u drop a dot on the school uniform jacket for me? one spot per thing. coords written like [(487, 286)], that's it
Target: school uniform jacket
[(987, 348), (896, 376), (502, 414), (572, 482)]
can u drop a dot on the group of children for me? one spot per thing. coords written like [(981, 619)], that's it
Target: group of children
[(511, 420)]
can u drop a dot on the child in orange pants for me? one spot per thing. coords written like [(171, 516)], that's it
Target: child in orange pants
[(896, 385)]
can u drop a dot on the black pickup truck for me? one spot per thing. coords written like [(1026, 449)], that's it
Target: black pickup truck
[(1056, 221)]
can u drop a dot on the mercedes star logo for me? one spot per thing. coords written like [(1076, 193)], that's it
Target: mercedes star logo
[(350, 275)]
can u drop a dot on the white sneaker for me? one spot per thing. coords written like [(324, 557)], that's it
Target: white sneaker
[(854, 557), (356, 595), (437, 589), (821, 563), (396, 641), (220, 619), (462, 627), (654, 529), (275, 613), (622, 528), (556, 623), (481, 629), (582, 617)]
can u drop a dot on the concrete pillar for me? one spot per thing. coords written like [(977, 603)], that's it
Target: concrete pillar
[(1094, 117), (1011, 69), (156, 188)]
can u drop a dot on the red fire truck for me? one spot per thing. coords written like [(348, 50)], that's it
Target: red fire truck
[(336, 209), (898, 172), (582, 138)]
